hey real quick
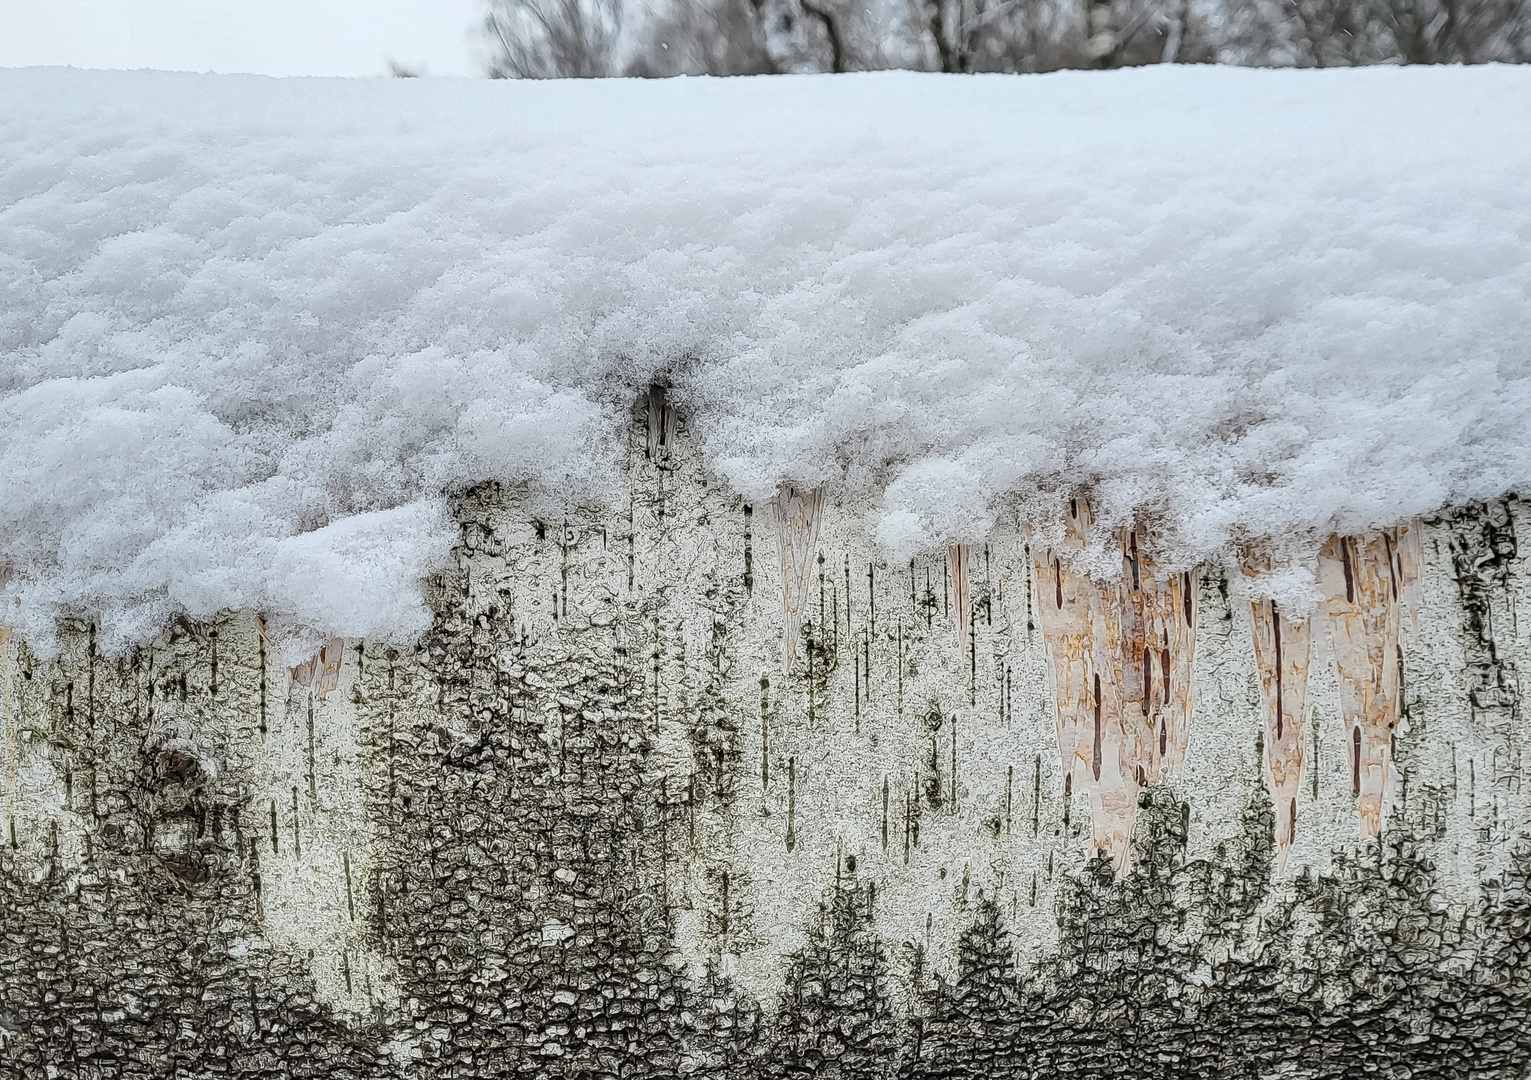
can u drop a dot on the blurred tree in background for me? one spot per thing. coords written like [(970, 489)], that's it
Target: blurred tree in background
[(594, 38)]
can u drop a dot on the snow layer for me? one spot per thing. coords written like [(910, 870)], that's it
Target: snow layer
[(253, 329)]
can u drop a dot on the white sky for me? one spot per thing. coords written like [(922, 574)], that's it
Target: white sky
[(269, 37)]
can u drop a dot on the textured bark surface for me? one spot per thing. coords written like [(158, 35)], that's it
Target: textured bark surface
[(1283, 653), (996, 818)]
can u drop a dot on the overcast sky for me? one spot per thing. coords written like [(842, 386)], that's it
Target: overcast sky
[(270, 37)]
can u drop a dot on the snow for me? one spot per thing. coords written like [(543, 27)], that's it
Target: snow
[(254, 329)]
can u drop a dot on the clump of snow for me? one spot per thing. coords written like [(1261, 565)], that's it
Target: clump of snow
[(253, 329)]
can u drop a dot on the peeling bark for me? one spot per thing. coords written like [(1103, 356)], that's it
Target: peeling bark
[(1082, 629), (1158, 659), (1367, 583), (1065, 613), (321, 672), (1122, 669), (962, 606), (1283, 652), (797, 533)]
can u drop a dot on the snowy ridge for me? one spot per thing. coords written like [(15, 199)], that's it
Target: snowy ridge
[(253, 329)]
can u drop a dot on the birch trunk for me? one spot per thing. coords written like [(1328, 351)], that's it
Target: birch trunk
[(642, 805)]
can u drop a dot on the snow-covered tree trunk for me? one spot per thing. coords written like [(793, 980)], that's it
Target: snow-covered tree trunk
[(993, 819)]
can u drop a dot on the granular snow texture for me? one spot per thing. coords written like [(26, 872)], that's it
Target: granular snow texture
[(253, 330)]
